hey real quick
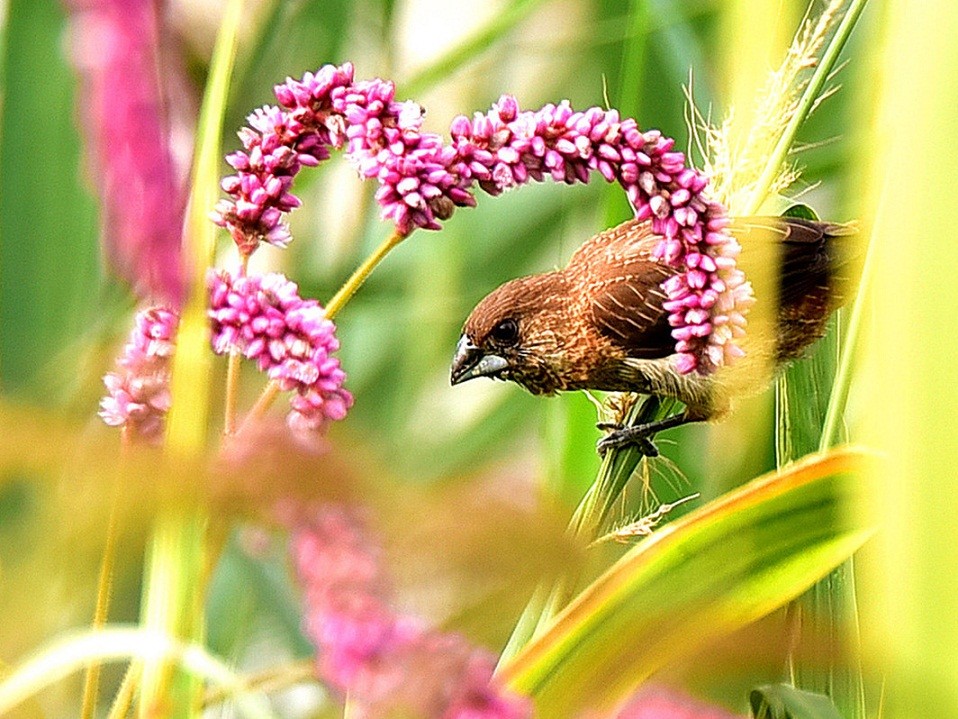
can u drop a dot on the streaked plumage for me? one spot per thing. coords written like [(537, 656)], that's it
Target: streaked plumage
[(599, 323)]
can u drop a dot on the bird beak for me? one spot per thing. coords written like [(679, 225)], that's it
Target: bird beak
[(470, 362)]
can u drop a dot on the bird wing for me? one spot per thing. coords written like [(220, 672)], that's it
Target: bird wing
[(795, 258), (804, 254), (621, 286)]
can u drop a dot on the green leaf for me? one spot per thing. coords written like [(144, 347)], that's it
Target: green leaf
[(801, 211), (700, 578), (49, 258), (783, 701)]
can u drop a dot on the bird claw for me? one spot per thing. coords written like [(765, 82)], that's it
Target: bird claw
[(619, 436)]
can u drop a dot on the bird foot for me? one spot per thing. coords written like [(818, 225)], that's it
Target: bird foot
[(639, 436)]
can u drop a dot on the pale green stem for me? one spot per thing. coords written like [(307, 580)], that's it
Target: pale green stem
[(350, 709), (104, 592), (232, 376), (124, 696), (805, 104), (356, 280), (66, 656), (172, 606), (833, 601), (839, 394), (263, 403), (232, 390), (338, 301)]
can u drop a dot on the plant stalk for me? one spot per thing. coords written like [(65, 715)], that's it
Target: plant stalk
[(358, 277), (104, 593)]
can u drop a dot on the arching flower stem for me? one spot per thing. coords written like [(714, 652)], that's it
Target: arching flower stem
[(358, 277)]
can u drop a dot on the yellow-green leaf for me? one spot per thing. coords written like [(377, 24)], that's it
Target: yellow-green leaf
[(699, 578)]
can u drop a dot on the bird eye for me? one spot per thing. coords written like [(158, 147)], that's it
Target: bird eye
[(505, 333)]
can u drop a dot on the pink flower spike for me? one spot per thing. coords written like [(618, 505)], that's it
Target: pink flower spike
[(289, 338), (387, 663), (422, 179), (138, 391)]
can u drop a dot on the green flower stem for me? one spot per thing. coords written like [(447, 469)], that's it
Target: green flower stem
[(358, 277), (263, 403), (829, 609), (123, 699), (338, 301), (232, 385), (232, 377)]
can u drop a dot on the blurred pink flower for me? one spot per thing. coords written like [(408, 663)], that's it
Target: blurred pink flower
[(384, 661), (139, 390), (115, 48)]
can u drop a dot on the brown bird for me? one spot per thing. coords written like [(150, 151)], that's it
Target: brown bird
[(599, 323)]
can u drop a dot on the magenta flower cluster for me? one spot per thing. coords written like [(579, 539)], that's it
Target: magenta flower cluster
[(263, 318), (138, 391), (422, 179), (328, 110), (387, 663)]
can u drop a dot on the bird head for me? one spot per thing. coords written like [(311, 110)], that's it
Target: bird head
[(515, 333)]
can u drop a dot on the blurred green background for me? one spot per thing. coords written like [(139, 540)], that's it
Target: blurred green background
[(63, 314)]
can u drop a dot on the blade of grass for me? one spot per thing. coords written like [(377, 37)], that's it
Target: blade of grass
[(829, 609), (176, 565), (910, 399), (48, 234), (502, 23)]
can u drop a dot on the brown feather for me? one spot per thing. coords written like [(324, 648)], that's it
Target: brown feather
[(615, 271)]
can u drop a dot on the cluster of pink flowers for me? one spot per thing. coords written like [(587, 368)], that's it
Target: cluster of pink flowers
[(138, 392), (263, 318), (383, 660), (422, 179)]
